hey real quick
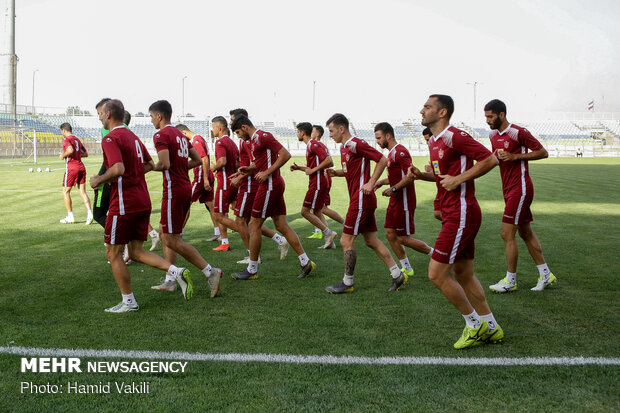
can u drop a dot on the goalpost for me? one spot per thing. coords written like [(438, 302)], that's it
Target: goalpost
[(18, 142)]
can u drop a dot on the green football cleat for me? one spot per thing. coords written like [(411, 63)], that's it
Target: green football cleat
[(340, 288), (471, 335), (542, 283), (407, 273), (316, 235), (492, 337), (185, 282), (400, 281), (503, 286)]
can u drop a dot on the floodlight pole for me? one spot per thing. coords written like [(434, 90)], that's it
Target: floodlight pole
[(13, 57), (33, 73), (183, 96), (474, 84), (313, 94)]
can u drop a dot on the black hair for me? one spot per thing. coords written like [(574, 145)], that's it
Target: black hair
[(101, 102), (385, 128), (162, 106), (427, 132), (116, 109), (126, 118), (238, 112), (182, 127), (66, 126), (338, 119), (320, 129), (221, 120), (496, 106), (305, 127), (445, 101), (240, 121)]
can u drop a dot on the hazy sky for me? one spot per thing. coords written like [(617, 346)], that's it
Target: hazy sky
[(371, 60)]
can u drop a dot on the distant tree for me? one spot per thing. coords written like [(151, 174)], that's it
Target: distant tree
[(189, 115), (76, 111), (140, 114)]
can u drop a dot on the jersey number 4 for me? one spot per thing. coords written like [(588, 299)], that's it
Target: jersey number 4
[(139, 151)]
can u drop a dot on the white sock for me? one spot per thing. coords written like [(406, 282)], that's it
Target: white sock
[(216, 231), (543, 271), (303, 259), (89, 211), (395, 271), (70, 215), (129, 299), (278, 238), (511, 277), (405, 263), (170, 277), (472, 320), (248, 252), (327, 232), (253, 267), (126, 251), (173, 270), (153, 234), (490, 321), (348, 280), (224, 241), (316, 229), (207, 271), (431, 251)]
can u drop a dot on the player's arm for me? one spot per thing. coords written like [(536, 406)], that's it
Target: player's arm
[(163, 161), (113, 172), (381, 182), (148, 166), (406, 181), (415, 173), (83, 151), (335, 172), (295, 167), (379, 168), (283, 157), (530, 156), (195, 159), (66, 153), (205, 172), (219, 164), (481, 167), (325, 163), (248, 170)]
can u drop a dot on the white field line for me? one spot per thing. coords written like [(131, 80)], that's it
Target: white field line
[(300, 359)]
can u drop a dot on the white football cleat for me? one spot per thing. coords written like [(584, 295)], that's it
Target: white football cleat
[(67, 220)]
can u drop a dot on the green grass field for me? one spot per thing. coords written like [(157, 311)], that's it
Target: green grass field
[(56, 282)]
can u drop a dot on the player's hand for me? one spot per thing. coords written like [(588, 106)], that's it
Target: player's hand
[(294, 167), (428, 168), (309, 171), (506, 156), (449, 182), (94, 181), (378, 185), (244, 169), (387, 192), (207, 186), (330, 172), (367, 189), (414, 172), (437, 214), (60, 157), (261, 176)]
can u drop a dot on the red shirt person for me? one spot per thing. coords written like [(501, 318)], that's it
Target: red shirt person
[(75, 173), (514, 147)]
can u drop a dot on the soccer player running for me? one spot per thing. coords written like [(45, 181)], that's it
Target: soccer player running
[(317, 160), (399, 224), (510, 144), (126, 161), (174, 151), (247, 187), (452, 155), (75, 173), (226, 164), (268, 156), (202, 187), (355, 156)]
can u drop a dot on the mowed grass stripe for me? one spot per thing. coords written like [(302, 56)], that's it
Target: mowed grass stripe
[(312, 359)]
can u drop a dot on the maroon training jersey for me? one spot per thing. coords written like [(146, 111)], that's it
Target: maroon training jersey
[(247, 184), (176, 178), (316, 152), (516, 179), (128, 193), (73, 161), (355, 156), (399, 161), (264, 152), (453, 152), (200, 145), (225, 147)]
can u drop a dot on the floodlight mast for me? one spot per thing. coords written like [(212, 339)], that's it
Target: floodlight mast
[(13, 57)]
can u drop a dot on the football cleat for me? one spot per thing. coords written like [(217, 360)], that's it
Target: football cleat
[(122, 308), (246, 260), (495, 336), (245, 275), (214, 281), (316, 235), (307, 269), (399, 281), (67, 220), (340, 288), (408, 273), (332, 246), (544, 283), (503, 286), (154, 242), (283, 250), (89, 218), (471, 335), (165, 286), (329, 241), (222, 247), (185, 282)]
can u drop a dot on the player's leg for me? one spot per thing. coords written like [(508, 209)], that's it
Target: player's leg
[(415, 244), (250, 273), (332, 214), (509, 282), (308, 214), (66, 195), (545, 276), (86, 201), (398, 277), (393, 240), (155, 240), (122, 277), (347, 242), (293, 240)]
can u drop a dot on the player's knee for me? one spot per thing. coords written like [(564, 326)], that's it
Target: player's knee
[(525, 232), (390, 235), (507, 234)]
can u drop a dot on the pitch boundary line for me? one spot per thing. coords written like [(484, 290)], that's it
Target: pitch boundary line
[(312, 359)]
